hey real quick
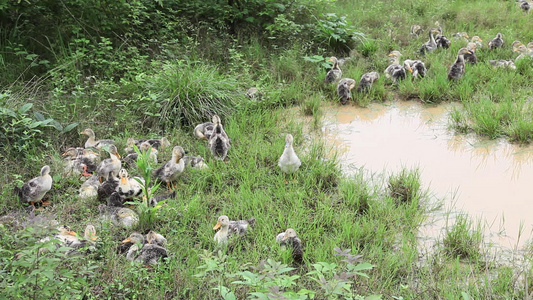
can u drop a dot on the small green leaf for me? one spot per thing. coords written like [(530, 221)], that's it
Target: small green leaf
[(38, 116), (69, 127), (24, 108)]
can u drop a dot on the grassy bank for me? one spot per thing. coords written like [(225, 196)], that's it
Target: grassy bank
[(165, 87)]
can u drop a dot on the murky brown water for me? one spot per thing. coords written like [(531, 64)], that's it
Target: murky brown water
[(489, 180)]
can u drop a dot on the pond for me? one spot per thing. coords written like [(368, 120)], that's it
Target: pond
[(490, 180)]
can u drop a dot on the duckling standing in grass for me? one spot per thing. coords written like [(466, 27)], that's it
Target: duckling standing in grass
[(195, 162), (219, 142), (90, 187), (462, 36), (289, 162), (395, 71), (289, 239), (92, 142), (366, 82), (416, 67), (457, 70), (525, 6), (501, 63), (108, 187), (204, 131), (441, 40), (496, 42), (147, 251), (129, 187), (416, 30), (478, 41), (430, 45), (120, 216), (228, 228), (344, 90), (131, 159), (80, 161), (471, 58), (335, 73), (170, 171), (110, 165), (35, 189)]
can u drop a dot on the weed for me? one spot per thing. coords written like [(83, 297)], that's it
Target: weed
[(463, 239), (405, 186)]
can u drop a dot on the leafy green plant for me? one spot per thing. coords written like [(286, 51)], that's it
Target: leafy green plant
[(336, 32), (147, 212), (22, 131)]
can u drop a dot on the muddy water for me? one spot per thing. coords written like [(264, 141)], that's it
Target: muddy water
[(492, 181)]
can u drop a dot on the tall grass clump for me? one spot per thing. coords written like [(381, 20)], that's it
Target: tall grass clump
[(463, 239), (184, 93), (405, 186)]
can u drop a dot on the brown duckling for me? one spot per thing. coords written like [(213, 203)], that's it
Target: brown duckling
[(366, 81), (344, 89), (335, 73)]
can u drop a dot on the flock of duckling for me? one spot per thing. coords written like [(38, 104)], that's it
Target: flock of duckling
[(108, 180), (397, 71)]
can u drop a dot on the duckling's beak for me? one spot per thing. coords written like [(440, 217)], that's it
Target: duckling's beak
[(467, 36), (128, 240), (217, 226), (71, 232), (391, 54), (329, 60), (93, 238), (410, 70), (118, 155), (154, 149), (285, 236), (64, 154), (124, 180), (515, 50)]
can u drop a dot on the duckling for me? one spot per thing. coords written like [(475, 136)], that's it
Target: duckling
[(120, 216), (344, 90), (154, 143), (204, 131), (497, 42), (458, 68), (525, 6), (501, 63), (131, 159), (128, 188), (155, 238), (219, 142), (88, 241), (152, 247), (471, 58), (289, 239), (254, 93), (133, 238), (35, 189), (80, 161), (530, 46), (92, 142), (463, 36), (428, 46), (367, 79), (441, 40), (195, 162), (149, 254), (416, 30), (524, 52), (416, 67), (515, 45), (158, 198), (395, 70), (90, 187), (170, 171), (65, 235), (289, 161), (335, 73), (479, 42), (111, 164), (228, 228), (108, 187)]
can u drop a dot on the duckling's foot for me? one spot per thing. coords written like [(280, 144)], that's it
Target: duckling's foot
[(45, 203), (85, 172)]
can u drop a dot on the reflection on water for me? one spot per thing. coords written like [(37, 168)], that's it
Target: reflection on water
[(490, 180)]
